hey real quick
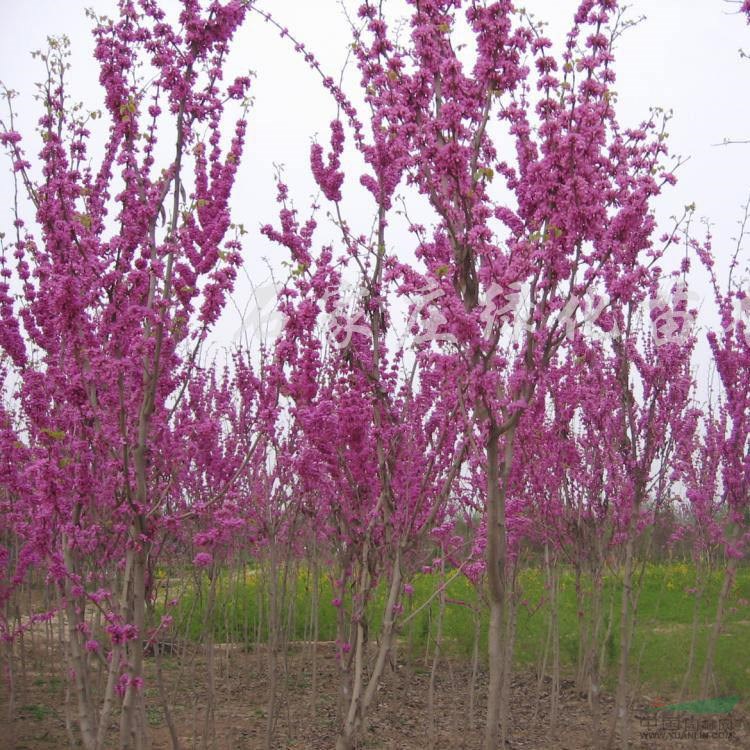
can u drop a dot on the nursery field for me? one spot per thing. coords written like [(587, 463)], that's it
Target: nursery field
[(223, 631), (420, 421), (668, 616)]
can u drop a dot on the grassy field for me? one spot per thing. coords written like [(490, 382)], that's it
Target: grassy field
[(662, 637)]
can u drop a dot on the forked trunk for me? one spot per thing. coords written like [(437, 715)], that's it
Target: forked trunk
[(363, 693)]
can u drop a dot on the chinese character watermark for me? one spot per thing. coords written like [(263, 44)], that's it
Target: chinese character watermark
[(346, 316), (432, 315), (672, 320)]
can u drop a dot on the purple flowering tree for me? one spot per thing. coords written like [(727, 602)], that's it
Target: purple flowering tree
[(121, 269)]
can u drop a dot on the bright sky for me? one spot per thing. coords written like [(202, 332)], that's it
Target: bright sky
[(683, 56)]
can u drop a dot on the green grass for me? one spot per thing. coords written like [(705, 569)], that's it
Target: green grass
[(710, 706), (36, 711), (660, 647)]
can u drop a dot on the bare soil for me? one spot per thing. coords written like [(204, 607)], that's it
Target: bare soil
[(308, 722)]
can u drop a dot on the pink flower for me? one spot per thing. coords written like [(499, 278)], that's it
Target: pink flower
[(238, 88), (202, 560), (122, 633), (329, 178)]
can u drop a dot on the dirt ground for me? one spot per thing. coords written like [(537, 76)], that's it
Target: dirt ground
[(306, 722)]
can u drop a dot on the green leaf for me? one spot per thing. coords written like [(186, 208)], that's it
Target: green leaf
[(84, 219), (54, 434)]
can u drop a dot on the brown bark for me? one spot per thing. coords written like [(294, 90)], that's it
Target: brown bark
[(363, 694), (713, 638), (619, 716), (496, 558), (701, 577), (133, 731), (436, 658), (77, 656), (477, 613)]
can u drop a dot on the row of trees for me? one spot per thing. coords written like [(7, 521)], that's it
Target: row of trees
[(543, 393)]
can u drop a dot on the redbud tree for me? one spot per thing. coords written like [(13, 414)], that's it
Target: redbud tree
[(118, 263), (539, 393), (534, 186)]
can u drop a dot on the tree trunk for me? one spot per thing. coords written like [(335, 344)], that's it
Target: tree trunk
[(496, 559), (583, 626), (77, 657), (511, 610), (209, 728), (626, 616), (436, 657), (274, 636), (726, 587), (133, 729), (362, 695), (477, 613), (701, 577), (554, 695)]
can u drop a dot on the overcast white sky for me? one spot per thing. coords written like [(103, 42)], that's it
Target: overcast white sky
[(684, 56)]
